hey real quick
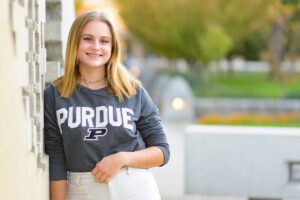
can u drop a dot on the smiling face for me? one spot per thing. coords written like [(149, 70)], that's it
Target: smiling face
[(95, 45)]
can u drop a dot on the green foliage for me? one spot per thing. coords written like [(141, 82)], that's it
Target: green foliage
[(253, 45), (292, 29), (182, 28), (290, 1), (214, 44), (244, 84), (284, 36)]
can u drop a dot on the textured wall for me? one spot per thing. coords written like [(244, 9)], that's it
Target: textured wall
[(24, 168), (59, 17)]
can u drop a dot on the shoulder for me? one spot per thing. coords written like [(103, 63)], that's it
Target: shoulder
[(51, 88), (145, 97), (50, 91), (140, 90), (141, 93)]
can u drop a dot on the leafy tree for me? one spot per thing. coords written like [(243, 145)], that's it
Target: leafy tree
[(292, 47), (284, 35), (198, 31), (214, 43), (253, 45)]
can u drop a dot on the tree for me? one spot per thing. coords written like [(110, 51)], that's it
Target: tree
[(198, 31), (285, 30), (292, 31), (214, 44)]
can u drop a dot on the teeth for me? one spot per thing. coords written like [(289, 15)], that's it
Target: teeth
[(90, 54)]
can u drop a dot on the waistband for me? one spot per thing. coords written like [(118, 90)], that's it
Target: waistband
[(81, 177), (87, 177)]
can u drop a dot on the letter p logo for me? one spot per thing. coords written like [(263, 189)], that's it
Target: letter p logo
[(95, 133)]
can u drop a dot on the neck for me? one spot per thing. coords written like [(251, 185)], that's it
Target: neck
[(92, 74), (92, 78)]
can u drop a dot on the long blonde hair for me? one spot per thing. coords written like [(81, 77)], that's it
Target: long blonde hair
[(118, 80)]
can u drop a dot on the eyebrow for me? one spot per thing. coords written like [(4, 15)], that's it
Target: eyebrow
[(87, 34)]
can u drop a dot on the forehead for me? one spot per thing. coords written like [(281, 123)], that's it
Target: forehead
[(97, 28)]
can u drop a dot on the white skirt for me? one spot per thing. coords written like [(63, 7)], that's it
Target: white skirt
[(128, 184)]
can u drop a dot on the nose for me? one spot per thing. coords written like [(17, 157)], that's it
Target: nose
[(96, 45)]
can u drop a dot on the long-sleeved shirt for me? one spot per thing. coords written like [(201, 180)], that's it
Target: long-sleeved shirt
[(90, 124)]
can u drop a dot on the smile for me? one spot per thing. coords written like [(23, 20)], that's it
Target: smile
[(93, 55)]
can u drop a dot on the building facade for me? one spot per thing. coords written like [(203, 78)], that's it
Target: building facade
[(24, 168), (23, 70)]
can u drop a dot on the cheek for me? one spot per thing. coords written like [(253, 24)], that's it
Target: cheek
[(82, 46), (81, 50), (108, 49)]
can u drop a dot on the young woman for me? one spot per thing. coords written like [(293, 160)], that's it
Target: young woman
[(101, 126)]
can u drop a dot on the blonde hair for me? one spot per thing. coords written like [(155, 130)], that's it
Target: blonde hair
[(118, 80)]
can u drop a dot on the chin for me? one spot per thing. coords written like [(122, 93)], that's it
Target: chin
[(95, 65)]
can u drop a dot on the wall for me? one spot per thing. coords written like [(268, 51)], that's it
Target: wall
[(59, 16), (225, 106), (24, 168), (241, 161)]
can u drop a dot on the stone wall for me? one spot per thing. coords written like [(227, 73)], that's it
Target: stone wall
[(53, 39), (59, 17), (24, 165)]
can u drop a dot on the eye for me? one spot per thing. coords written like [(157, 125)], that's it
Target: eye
[(104, 41), (87, 39)]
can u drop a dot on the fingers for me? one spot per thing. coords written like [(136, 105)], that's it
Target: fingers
[(107, 179), (100, 174), (94, 171), (107, 168), (97, 169), (102, 178), (97, 176)]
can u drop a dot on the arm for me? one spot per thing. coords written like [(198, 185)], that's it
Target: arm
[(156, 153), (58, 190), (54, 148), (145, 158), (110, 165)]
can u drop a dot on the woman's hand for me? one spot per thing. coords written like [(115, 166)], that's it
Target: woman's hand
[(109, 166)]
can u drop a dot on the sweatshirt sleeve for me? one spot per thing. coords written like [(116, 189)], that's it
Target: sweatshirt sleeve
[(150, 127), (53, 138)]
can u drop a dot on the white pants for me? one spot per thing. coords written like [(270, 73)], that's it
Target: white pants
[(127, 184)]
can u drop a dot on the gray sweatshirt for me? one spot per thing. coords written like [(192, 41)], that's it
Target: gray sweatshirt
[(90, 124)]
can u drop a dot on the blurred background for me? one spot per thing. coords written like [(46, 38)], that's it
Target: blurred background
[(225, 51), (225, 75)]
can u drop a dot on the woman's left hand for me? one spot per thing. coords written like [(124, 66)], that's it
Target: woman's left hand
[(108, 167)]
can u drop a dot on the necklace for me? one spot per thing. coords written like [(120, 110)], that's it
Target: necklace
[(92, 82)]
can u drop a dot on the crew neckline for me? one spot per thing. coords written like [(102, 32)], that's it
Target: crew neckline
[(101, 91)]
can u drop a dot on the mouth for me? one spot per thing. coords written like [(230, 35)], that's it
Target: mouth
[(94, 54)]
